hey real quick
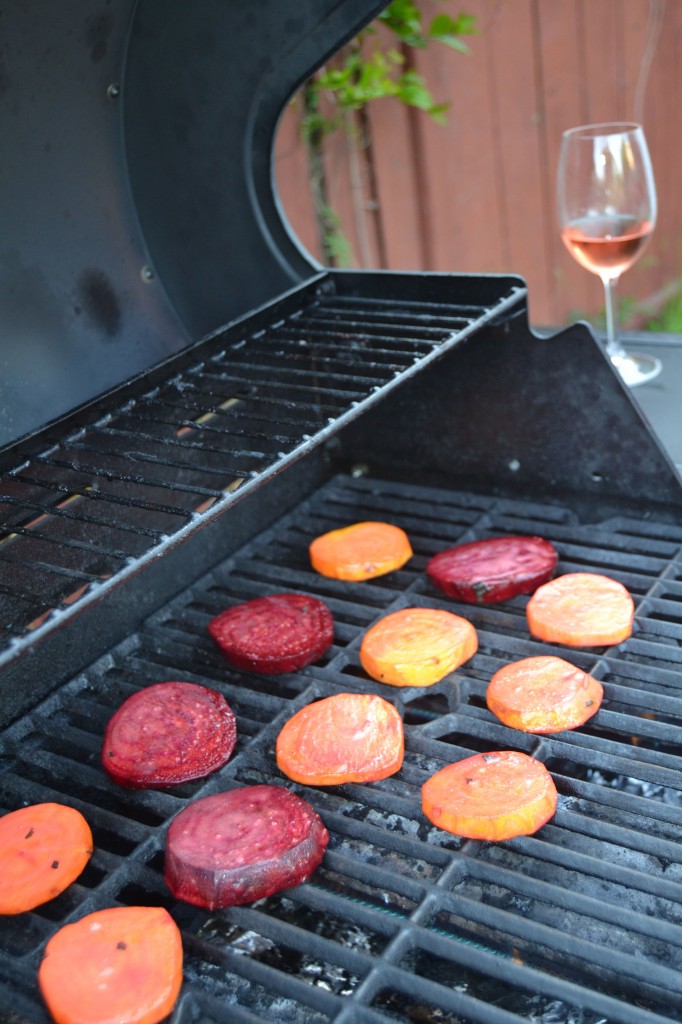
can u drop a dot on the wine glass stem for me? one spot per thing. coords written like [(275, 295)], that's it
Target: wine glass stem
[(613, 345)]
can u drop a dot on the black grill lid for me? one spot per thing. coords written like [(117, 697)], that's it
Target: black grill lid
[(136, 195)]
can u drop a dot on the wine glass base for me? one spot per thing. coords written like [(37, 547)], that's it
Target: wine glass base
[(637, 369)]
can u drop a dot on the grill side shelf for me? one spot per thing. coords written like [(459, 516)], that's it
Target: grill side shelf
[(173, 450)]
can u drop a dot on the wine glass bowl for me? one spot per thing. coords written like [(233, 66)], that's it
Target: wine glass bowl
[(607, 208)]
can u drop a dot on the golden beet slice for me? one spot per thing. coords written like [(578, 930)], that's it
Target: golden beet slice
[(349, 737), (417, 646), (492, 796), (360, 551), (581, 609), (543, 695)]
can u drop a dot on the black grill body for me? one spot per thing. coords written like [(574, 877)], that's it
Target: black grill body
[(290, 401)]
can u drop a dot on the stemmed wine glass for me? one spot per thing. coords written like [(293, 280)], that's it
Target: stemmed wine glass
[(606, 204)]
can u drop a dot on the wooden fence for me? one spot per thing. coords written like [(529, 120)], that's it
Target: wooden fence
[(477, 195)]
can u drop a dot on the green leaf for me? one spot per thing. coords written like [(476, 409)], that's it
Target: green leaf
[(446, 30), (403, 17), (438, 111)]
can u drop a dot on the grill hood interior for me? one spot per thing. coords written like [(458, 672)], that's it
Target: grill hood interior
[(136, 186)]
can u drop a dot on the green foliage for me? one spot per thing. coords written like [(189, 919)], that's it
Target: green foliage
[(362, 73), (336, 245), (633, 314), (669, 320), (405, 19)]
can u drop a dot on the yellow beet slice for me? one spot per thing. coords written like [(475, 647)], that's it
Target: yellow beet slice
[(417, 646)]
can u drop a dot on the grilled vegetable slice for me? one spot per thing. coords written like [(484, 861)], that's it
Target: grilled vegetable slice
[(490, 571), (491, 796), (123, 964), (543, 695), (43, 849), (240, 846), (417, 646), (167, 734), (581, 609), (361, 551), (349, 737), (275, 633)]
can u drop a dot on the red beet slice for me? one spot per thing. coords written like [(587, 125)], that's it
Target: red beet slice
[(240, 846), (277, 633), (490, 571), (167, 734)]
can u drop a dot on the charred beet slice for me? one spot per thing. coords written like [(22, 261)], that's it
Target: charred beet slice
[(240, 846), (276, 633), (490, 571), (167, 734)]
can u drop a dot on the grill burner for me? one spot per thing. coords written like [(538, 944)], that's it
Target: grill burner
[(580, 924)]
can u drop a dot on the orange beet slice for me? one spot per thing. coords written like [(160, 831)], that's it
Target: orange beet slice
[(123, 964), (349, 737), (543, 695), (581, 609), (361, 551), (492, 796), (417, 646), (43, 849)]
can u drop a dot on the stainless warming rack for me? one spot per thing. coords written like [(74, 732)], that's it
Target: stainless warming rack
[(579, 924), (84, 509)]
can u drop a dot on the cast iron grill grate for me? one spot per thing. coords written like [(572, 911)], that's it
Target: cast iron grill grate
[(81, 513), (579, 924)]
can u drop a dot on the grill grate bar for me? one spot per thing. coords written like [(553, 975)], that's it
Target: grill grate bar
[(533, 981), (321, 340), (291, 378), (128, 478), (154, 461), (96, 495), (69, 542), (80, 517)]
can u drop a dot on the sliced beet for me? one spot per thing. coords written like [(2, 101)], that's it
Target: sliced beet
[(167, 734), (490, 571), (276, 633), (240, 846)]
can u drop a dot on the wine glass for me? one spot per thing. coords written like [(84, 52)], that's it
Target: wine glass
[(606, 204)]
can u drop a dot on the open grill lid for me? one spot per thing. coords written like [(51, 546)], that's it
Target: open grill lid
[(136, 196)]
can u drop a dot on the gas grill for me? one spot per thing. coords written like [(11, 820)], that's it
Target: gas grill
[(225, 402)]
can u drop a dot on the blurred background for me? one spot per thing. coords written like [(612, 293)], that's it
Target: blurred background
[(431, 143)]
